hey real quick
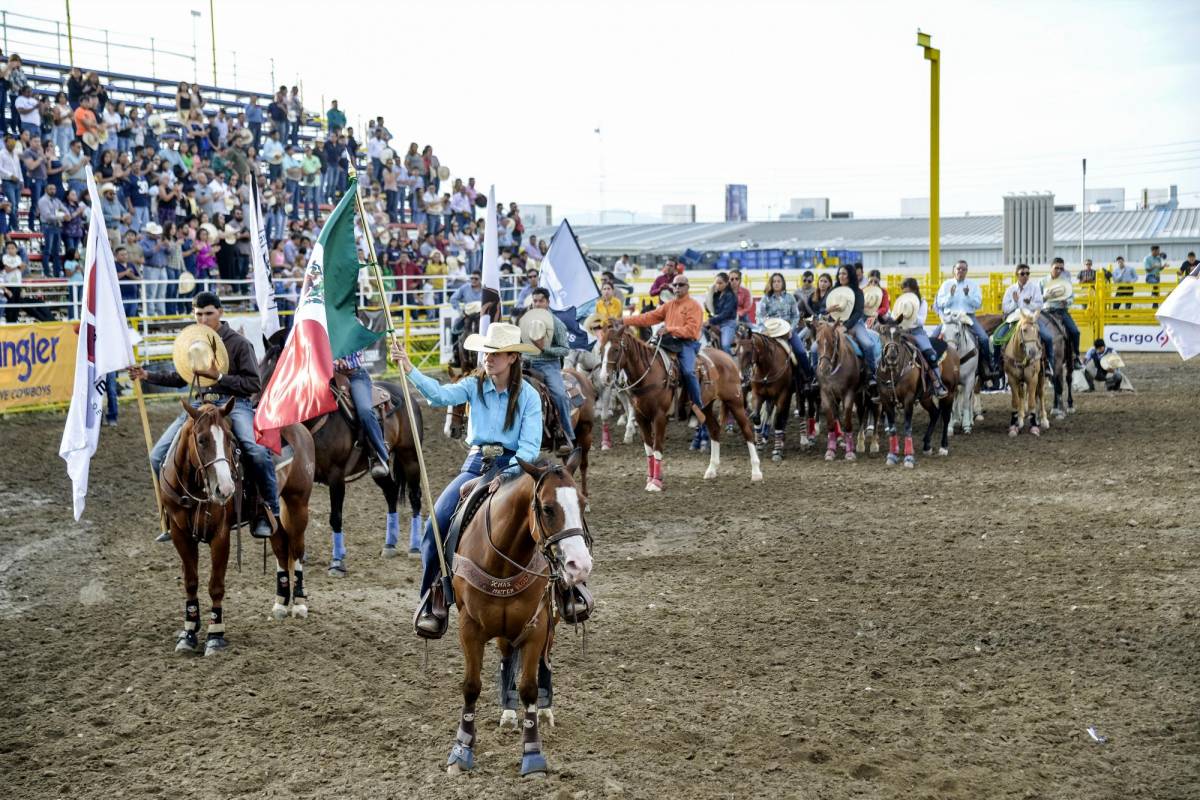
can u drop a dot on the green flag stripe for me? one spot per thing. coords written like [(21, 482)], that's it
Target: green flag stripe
[(346, 333)]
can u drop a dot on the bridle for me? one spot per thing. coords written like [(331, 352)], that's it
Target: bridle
[(201, 501), (623, 335), (549, 545), (1026, 343), (890, 357), (834, 361), (757, 338)]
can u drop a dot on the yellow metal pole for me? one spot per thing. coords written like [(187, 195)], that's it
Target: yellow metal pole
[(934, 57), (212, 26), (408, 406), (70, 36)]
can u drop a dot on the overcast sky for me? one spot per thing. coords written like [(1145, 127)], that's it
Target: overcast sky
[(795, 99)]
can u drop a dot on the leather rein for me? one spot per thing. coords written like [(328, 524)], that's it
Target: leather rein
[(622, 355), (202, 505)]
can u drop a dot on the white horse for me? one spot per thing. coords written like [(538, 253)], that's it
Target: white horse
[(956, 332), (608, 392)]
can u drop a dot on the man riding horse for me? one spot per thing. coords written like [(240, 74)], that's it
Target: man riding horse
[(545, 363), (1058, 295), (960, 294), (504, 413), (240, 382), (682, 319), (469, 293), (1025, 295)]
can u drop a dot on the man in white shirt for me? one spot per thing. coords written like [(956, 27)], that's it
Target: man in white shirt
[(27, 106), (460, 205), (622, 268), (960, 294), (376, 144), (75, 169), (11, 178), (1026, 296), (1060, 309), (272, 153), (112, 122)]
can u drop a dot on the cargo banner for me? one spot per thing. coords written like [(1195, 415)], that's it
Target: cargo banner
[(37, 364)]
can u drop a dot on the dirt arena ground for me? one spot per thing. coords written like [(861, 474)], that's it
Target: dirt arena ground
[(842, 630)]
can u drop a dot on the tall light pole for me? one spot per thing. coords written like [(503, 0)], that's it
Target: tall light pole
[(212, 22), (70, 36), (195, 52), (934, 57)]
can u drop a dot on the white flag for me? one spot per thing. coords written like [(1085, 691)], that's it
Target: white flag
[(491, 266), (105, 345), (264, 296), (1180, 316), (565, 272)]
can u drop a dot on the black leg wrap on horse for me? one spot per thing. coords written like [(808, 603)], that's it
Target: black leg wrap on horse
[(282, 588), (545, 685), (191, 616), (298, 583), (216, 624)]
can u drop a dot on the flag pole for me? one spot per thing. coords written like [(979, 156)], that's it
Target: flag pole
[(141, 401), (373, 264)]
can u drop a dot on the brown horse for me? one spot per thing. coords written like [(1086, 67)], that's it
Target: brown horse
[(1026, 378), (766, 365), (583, 418), (654, 397), (340, 459), (903, 383), (200, 485), (529, 537), (839, 376), (468, 360)]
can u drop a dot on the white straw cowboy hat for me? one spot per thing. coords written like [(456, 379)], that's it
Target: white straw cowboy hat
[(1111, 361), (213, 231), (872, 300), (841, 296), (199, 347), (501, 338), (157, 124), (107, 187), (776, 328), (472, 308), (905, 309), (593, 323), (187, 282), (536, 323), (443, 172), (154, 229), (1056, 289)]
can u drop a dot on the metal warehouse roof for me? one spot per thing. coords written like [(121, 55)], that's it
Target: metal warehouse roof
[(911, 233)]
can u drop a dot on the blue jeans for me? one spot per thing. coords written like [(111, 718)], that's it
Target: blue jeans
[(110, 389), (392, 197), (36, 187), (551, 375), (293, 190), (434, 222), (52, 250), (241, 420), (1046, 334), (360, 393), (922, 339), (141, 215), (802, 360), (1072, 329), (868, 343), (443, 512), (310, 201), (687, 365), (12, 192), (728, 330)]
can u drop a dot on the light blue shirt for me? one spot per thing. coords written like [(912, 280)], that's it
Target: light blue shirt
[(960, 300), (486, 422), (465, 294)]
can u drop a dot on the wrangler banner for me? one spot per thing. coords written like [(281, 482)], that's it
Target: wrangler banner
[(37, 364)]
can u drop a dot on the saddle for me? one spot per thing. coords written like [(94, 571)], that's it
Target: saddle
[(381, 400), (551, 430)]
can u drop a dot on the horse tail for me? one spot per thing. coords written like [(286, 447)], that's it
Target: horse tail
[(410, 487)]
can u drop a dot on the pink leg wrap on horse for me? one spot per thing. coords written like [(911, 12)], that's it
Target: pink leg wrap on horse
[(908, 446), (849, 442), (832, 441), (649, 466), (812, 427), (894, 444), (837, 428), (658, 469)]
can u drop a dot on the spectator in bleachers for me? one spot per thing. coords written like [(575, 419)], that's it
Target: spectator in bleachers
[(33, 167), (86, 126), (295, 116), (74, 87), (73, 224), (11, 178), (3, 99), (64, 124), (16, 84), (26, 106), (183, 102), (310, 169), (114, 213), (273, 154), (254, 121), (292, 173), (335, 118), (111, 121), (92, 87), (278, 113), (376, 144), (514, 213), (51, 212), (10, 283), (137, 194), (124, 129), (156, 253), (168, 199), (218, 130)]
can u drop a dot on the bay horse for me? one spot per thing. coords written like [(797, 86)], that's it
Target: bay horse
[(766, 366), (956, 333), (200, 483), (529, 536), (654, 397), (468, 360), (1026, 378), (340, 459), (903, 383), (583, 418), (839, 377), (1064, 368)]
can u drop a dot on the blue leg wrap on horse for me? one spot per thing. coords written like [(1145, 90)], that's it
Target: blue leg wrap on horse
[(414, 534), (533, 762), (463, 755), (393, 529), (339, 545)]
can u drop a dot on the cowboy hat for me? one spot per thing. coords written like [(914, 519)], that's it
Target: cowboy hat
[(157, 124), (593, 322), (107, 187), (387, 154), (187, 282), (244, 136), (1056, 289), (199, 347), (841, 296), (536, 323), (230, 235), (501, 338), (872, 299), (472, 308), (776, 328), (154, 229), (1111, 361), (905, 309), (213, 232), (443, 172)]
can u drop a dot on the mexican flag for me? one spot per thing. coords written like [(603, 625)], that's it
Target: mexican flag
[(325, 327)]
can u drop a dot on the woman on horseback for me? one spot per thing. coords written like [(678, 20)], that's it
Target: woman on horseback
[(814, 308), (778, 303), (724, 316), (856, 325), (501, 414), (919, 335)]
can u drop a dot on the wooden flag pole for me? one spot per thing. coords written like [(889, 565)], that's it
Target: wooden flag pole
[(373, 264), (141, 401)]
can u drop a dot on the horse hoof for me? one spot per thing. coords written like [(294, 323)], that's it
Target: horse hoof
[(337, 569), (928, 451), (604, 447), (851, 456), (874, 449), (215, 645), (546, 716), (279, 611), (533, 765), (462, 759), (508, 720), (1012, 431), (710, 473), (909, 462), (777, 457), (300, 611), (978, 418), (756, 476), (966, 431), (892, 460), (942, 451), (388, 551), (1035, 430), (187, 642), (1071, 410)]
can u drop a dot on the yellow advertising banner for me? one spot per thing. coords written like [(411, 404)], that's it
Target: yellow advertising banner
[(37, 364)]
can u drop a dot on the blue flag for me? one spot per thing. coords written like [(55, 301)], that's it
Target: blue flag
[(577, 337)]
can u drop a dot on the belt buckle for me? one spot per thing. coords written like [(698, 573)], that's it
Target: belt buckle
[(491, 452), (209, 397)]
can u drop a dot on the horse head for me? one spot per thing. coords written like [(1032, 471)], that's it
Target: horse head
[(210, 448), (746, 350), (612, 347), (272, 350), (1028, 338), (827, 336), (556, 517)]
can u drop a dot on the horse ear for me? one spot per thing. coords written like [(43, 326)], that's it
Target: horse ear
[(192, 412), (532, 470), (450, 373), (227, 408), (573, 460)]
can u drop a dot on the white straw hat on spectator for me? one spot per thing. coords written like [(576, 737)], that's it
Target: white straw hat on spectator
[(154, 229), (107, 187)]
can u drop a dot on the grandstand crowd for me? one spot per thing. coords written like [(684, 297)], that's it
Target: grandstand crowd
[(174, 186)]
